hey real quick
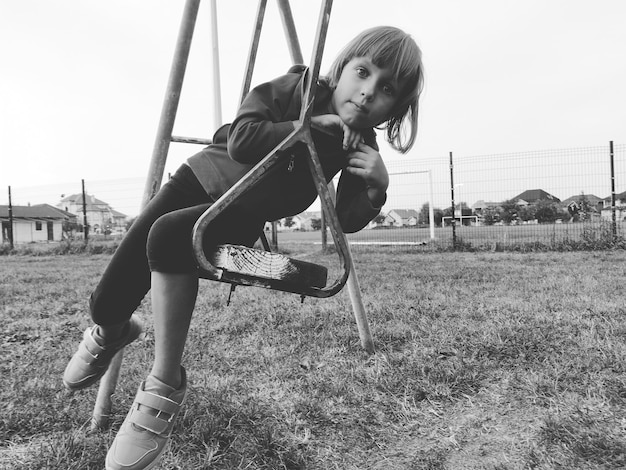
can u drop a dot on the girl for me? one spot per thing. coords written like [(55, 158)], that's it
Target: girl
[(375, 81)]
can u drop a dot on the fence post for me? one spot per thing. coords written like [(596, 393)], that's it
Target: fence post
[(613, 215), (10, 220), (85, 226), (453, 210)]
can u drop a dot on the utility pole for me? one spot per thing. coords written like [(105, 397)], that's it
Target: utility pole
[(10, 220), (85, 225)]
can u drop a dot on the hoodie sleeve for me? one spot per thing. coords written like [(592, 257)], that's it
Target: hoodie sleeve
[(265, 118), (354, 208)]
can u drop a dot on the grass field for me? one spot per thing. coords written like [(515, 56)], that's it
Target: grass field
[(484, 361)]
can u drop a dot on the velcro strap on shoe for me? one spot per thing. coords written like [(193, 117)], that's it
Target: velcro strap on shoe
[(150, 423), (89, 349), (157, 402)]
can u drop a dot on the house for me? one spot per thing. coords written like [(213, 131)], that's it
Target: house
[(595, 203), (301, 222), (573, 206), (37, 223), (479, 206), (401, 218), (531, 196), (100, 215), (620, 207)]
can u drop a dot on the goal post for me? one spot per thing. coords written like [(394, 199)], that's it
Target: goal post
[(460, 218), (431, 207)]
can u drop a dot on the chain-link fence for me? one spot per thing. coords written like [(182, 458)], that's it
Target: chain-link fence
[(500, 200), (542, 196)]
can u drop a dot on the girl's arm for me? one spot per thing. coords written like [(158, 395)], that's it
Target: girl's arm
[(362, 189), (354, 207), (264, 119)]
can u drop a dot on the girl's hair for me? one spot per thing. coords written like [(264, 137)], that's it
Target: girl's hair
[(390, 47)]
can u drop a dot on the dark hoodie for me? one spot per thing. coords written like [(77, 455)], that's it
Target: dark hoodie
[(264, 120)]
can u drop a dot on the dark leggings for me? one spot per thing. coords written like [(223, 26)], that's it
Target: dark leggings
[(160, 240)]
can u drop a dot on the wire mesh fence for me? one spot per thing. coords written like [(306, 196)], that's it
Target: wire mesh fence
[(496, 199)]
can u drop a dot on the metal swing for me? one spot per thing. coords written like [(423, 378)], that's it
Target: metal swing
[(235, 264), (244, 266)]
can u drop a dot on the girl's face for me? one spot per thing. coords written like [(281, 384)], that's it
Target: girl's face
[(365, 94)]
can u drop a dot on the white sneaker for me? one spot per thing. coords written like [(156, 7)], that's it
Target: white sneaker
[(144, 435)]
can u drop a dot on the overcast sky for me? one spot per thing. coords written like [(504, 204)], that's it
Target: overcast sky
[(82, 81)]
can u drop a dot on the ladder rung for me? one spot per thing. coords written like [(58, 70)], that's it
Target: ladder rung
[(191, 140)]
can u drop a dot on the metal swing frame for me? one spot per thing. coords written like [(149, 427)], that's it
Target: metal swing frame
[(301, 134)]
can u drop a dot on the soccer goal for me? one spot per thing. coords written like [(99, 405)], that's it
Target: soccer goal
[(472, 218)]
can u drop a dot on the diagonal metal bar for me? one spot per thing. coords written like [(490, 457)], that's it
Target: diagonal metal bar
[(290, 32), (170, 104), (302, 133), (254, 47)]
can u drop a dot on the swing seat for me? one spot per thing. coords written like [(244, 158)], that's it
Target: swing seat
[(241, 265)]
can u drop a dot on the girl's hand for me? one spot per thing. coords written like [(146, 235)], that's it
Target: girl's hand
[(367, 163), (332, 124)]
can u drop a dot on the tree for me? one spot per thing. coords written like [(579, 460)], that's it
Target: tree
[(527, 213), (316, 223), (438, 214), (546, 211), (69, 229), (423, 217), (508, 211), (585, 207), (289, 222), (490, 215)]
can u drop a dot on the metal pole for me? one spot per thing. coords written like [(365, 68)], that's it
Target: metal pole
[(217, 88), (354, 291), (453, 210), (170, 104), (290, 32), (613, 214), (254, 46), (274, 235), (431, 209), (11, 242), (324, 229), (85, 225)]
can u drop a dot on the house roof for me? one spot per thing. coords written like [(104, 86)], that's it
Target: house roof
[(118, 214), (591, 199), (405, 213), (78, 199), (620, 196), (92, 204), (37, 211), (481, 204), (534, 195)]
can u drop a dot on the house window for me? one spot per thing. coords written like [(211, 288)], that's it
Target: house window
[(38, 226)]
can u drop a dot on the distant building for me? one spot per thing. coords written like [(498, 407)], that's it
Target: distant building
[(479, 206), (595, 203), (401, 218), (37, 223), (303, 221), (620, 207), (100, 215), (531, 196)]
